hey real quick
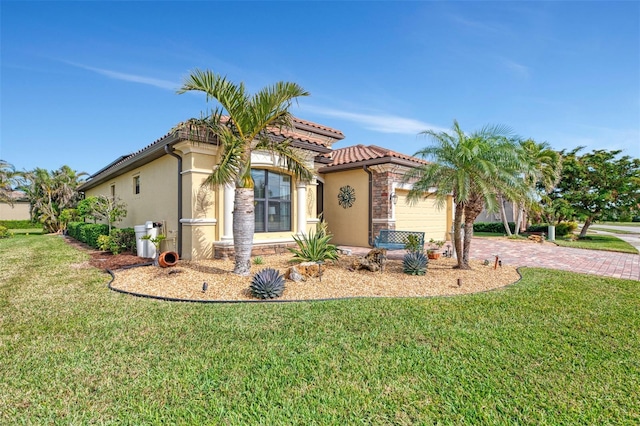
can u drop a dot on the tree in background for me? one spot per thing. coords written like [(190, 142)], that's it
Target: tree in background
[(50, 193), (541, 175), (474, 168), (240, 123), (101, 207), (8, 177), (597, 183)]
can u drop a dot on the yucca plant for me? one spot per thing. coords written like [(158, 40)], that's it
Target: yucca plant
[(267, 283), (314, 247), (415, 263)]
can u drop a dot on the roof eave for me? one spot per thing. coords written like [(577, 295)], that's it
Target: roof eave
[(371, 162)]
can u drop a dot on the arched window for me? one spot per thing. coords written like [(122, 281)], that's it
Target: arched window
[(272, 195)]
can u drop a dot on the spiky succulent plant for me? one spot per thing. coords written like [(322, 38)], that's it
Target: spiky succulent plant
[(415, 263), (267, 283)]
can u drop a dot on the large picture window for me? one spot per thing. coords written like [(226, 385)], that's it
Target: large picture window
[(272, 195)]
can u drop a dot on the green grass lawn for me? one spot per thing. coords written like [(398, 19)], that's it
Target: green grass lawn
[(30, 231), (555, 348), (598, 242), (614, 231), (489, 234)]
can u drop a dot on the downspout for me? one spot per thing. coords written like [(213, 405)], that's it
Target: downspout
[(370, 211), (169, 150)]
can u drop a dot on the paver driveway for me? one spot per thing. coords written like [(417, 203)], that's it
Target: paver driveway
[(548, 255)]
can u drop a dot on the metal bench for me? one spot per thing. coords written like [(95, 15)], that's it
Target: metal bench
[(391, 239)]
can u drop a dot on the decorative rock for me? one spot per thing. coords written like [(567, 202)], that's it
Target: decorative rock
[(294, 274), (374, 260)]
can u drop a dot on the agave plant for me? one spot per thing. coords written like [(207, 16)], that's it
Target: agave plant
[(267, 283), (415, 263), (314, 247)]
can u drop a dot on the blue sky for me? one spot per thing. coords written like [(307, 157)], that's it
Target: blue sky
[(83, 83)]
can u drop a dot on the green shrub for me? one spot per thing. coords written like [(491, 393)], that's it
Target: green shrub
[(87, 232), (258, 260), (20, 224), (412, 243), (123, 240), (494, 227), (104, 242), (5, 233), (562, 228)]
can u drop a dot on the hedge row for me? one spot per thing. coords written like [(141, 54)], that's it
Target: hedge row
[(496, 227), (562, 228), (20, 224), (87, 232)]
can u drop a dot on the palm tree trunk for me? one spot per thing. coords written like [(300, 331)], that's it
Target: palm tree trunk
[(471, 211), (503, 216), (457, 238), (243, 229), (519, 219)]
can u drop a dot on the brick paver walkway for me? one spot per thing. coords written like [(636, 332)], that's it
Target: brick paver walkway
[(547, 255)]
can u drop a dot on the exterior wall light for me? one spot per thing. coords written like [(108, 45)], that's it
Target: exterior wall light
[(393, 198)]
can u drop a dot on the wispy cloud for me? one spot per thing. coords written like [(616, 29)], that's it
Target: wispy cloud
[(383, 123), (477, 25), (133, 78), (516, 68)]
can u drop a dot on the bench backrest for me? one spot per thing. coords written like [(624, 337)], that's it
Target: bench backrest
[(392, 236)]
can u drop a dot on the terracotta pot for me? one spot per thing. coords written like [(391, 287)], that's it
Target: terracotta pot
[(433, 255), (168, 258)]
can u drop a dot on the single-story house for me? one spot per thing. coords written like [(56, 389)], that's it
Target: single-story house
[(356, 189), (19, 209)]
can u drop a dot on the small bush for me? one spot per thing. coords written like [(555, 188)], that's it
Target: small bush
[(123, 240), (258, 260), (87, 232), (5, 233), (412, 244), (562, 229), (104, 242)]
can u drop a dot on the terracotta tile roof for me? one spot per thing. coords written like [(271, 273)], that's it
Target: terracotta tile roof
[(305, 133), (368, 154)]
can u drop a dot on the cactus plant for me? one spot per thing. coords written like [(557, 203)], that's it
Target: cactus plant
[(415, 263), (267, 283)]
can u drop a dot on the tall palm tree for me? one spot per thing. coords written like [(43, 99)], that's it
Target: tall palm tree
[(49, 193), (8, 175), (240, 122), (544, 172), (473, 169)]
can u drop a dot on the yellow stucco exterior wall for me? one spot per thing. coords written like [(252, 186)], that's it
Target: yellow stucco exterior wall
[(202, 206), (349, 226)]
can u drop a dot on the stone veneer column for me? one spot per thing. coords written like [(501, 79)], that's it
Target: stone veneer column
[(301, 207)]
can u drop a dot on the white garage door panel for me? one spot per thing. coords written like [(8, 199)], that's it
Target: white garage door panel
[(422, 216)]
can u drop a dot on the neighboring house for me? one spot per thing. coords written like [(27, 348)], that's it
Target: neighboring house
[(20, 210), (162, 183), (511, 211)]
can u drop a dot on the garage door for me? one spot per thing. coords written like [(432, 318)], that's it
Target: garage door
[(422, 216)]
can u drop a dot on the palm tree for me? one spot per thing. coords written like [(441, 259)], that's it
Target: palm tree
[(50, 193), (7, 182), (544, 172), (240, 123), (473, 169)]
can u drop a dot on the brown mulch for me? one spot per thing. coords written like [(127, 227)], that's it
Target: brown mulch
[(339, 280), (104, 259)]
